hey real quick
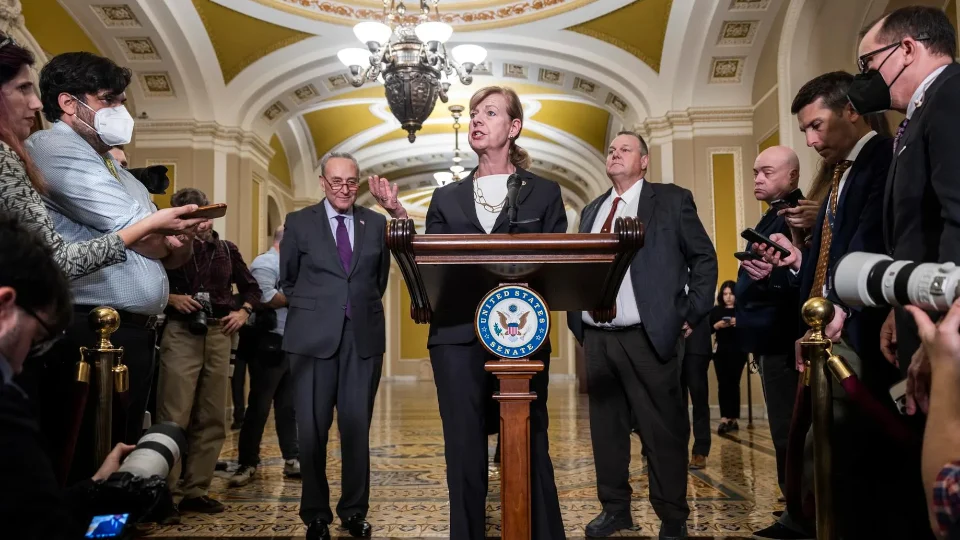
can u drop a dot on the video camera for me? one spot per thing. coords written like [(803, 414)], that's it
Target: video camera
[(138, 491), (875, 280)]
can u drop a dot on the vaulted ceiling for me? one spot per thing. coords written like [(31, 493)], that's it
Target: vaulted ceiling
[(584, 69)]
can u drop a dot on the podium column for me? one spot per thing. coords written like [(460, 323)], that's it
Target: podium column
[(515, 398)]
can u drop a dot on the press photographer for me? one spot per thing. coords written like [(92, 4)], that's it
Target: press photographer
[(35, 308), (195, 354)]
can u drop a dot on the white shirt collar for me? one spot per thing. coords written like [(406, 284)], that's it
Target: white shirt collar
[(917, 98), (857, 148), (628, 195), (332, 212)]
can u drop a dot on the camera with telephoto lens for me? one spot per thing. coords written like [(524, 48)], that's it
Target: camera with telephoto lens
[(874, 280), (197, 325), (138, 491)]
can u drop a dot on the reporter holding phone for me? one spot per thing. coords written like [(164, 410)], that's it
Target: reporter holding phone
[(728, 358), (766, 301)]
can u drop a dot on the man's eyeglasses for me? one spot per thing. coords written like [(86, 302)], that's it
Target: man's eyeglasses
[(338, 184), (864, 59), (41, 347)]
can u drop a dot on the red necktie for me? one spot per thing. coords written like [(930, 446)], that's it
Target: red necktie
[(613, 212)]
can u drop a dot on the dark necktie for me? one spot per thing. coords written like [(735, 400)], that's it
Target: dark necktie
[(613, 212), (826, 232), (900, 129), (344, 250)]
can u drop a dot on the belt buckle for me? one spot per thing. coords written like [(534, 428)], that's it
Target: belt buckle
[(152, 322)]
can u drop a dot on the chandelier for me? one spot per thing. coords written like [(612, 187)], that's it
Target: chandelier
[(445, 177), (410, 55)]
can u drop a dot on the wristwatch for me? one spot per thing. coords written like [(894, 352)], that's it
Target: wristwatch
[(248, 309)]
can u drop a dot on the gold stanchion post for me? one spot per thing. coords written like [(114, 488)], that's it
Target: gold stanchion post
[(816, 350), (109, 373)]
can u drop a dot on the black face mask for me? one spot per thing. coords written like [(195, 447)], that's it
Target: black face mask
[(869, 93)]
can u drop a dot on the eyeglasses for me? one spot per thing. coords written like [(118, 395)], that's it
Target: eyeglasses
[(41, 347), (864, 59), (338, 184)]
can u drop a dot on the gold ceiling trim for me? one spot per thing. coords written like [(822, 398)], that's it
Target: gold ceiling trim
[(463, 15), (620, 44), (649, 25)]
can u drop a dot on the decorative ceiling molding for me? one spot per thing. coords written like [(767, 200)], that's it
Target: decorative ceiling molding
[(649, 18), (749, 5), (466, 16), (727, 69), (738, 33), (156, 85), (138, 49), (116, 16), (202, 136), (697, 122)]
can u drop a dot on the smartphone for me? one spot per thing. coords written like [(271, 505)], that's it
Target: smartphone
[(211, 211), (109, 526), (898, 393), (792, 200), (728, 319), (746, 256), (754, 237)]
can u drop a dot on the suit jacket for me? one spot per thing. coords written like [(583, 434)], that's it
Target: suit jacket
[(675, 243), (32, 505), (317, 287), (699, 342), (858, 226), (767, 311), (452, 211), (921, 203)]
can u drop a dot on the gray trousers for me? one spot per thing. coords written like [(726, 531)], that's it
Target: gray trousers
[(349, 384)]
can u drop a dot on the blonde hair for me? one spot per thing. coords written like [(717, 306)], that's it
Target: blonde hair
[(518, 156)]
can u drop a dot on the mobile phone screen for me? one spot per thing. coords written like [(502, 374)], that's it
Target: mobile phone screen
[(108, 526)]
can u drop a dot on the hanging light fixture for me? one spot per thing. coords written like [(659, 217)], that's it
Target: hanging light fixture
[(410, 54), (445, 177)]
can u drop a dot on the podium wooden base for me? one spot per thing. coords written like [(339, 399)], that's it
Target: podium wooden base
[(515, 397)]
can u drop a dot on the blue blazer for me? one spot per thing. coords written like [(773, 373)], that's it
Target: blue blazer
[(858, 226)]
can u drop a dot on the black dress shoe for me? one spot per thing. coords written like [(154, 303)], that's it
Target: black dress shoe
[(202, 505), (357, 526), (608, 523), (317, 530), (673, 530)]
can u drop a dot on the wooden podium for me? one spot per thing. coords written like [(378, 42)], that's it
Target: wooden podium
[(465, 278)]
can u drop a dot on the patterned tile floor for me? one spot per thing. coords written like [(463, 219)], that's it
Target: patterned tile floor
[(732, 497)]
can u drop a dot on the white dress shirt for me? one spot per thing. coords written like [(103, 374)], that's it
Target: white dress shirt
[(917, 99), (628, 314), (494, 189), (852, 156), (332, 214)]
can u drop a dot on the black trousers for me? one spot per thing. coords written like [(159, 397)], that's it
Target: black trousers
[(729, 366), (625, 375), (779, 378), (49, 381), (463, 391), (349, 384), (238, 385), (696, 390), (270, 381)]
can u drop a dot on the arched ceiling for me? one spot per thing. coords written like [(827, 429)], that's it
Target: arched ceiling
[(584, 69)]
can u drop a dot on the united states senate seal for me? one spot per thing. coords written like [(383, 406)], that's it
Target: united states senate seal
[(512, 321)]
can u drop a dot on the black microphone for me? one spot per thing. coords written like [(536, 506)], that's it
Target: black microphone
[(513, 188)]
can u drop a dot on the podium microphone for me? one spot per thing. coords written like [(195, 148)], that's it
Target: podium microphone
[(513, 188)]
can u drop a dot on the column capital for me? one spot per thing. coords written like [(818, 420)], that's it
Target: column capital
[(203, 136)]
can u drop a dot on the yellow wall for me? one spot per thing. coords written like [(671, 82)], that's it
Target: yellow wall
[(725, 206), (413, 336), (54, 28), (279, 166)]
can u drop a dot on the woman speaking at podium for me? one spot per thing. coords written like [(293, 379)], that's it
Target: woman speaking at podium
[(475, 205)]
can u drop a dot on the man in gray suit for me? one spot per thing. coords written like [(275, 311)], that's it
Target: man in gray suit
[(333, 270), (633, 369)]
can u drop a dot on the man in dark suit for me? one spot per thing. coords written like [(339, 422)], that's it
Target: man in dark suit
[(35, 308), (907, 64), (333, 270), (766, 309), (632, 363), (850, 220)]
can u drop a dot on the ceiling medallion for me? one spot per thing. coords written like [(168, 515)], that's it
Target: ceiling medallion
[(408, 53)]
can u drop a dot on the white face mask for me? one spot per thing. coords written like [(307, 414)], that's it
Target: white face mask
[(114, 125)]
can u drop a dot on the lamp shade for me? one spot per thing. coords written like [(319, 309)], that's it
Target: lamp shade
[(372, 31), (469, 54), (433, 31), (354, 56), (443, 177)]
